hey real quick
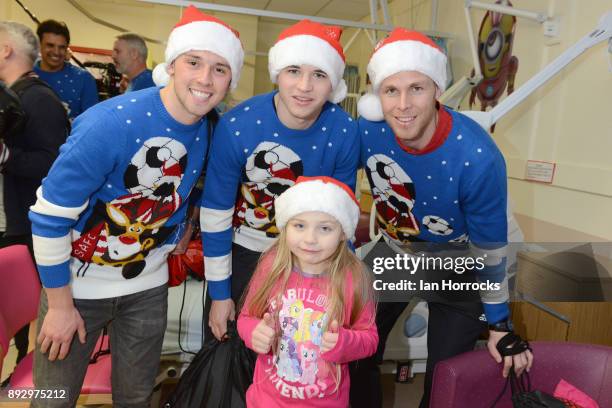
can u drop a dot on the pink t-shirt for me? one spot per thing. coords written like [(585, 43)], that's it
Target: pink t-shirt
[(300, 375)]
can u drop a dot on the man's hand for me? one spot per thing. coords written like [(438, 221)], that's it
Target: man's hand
[(522, 361), (330, 337), (192, 220), (220, 312), (263, 335), (61, 322), (181, 247)]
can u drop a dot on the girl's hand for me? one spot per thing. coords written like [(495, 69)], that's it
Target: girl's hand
[(330, 337), (263, 335)]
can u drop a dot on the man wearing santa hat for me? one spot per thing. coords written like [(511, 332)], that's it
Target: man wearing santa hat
[(436, 177), (109, 212), (262, 146)]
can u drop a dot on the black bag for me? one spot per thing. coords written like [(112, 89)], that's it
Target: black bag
[(524, 397), (522, 394), (27, 81), (12, 116), (218, 376)]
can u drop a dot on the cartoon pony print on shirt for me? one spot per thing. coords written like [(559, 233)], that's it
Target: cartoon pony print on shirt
[(297, 363), (308, 362), (318, 321), (122, 232), (288, 362)]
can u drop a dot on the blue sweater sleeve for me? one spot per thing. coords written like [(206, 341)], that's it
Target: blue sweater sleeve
[(346, 167), (484, 205), (223, 175), (89, 92), (84, 162)]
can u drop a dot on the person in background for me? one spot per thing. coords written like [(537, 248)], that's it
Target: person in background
[(130, 58), (75, 86), (33, 126)]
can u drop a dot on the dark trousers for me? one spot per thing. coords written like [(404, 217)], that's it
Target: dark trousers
[(136, 336), (452, 329), (21, 337), (244, 262)]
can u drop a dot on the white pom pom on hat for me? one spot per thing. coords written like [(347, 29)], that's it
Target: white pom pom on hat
[(312, 43), (402, 50), (370, 108), (321, 193), (197, 31)]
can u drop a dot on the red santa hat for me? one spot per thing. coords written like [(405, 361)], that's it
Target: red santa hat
[(308, 42), (197, 31), (402, 50), (321, 193)]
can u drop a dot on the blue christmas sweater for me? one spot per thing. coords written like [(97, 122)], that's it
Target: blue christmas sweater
[(108, 212), (253, 159), (453, 191), (75, 86), (141, 81)]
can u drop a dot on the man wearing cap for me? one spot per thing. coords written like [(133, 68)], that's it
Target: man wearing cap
[(108, 213), (262, 146), (436, 177)]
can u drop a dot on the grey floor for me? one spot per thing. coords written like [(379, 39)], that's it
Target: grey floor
[(395, 395), (404, 395)]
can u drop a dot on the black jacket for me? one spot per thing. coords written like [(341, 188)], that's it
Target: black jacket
[(32, 151)]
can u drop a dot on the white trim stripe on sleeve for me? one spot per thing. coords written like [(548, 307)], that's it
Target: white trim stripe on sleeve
[(51, 251), (218, 268), (213, 220), (45, 207)]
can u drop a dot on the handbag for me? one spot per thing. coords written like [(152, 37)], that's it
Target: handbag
[(190, 263), (218, 376), (522, 394)]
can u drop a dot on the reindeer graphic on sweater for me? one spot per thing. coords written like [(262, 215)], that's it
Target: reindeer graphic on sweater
[(121, 233)]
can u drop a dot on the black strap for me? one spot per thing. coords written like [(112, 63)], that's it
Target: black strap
[(509, 345), (30, 79), (512, 344), (26, 81), (213, 119), (101, 350)]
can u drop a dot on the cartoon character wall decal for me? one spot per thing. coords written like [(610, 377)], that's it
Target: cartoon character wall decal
[(498, 65)]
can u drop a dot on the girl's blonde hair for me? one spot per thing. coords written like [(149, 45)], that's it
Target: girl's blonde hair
[(344, 265)]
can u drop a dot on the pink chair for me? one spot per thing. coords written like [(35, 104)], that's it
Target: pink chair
[(19, 293), (19, 298), (473, 380)]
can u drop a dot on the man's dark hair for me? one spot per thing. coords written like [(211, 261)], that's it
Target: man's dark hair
[(54, 27)]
